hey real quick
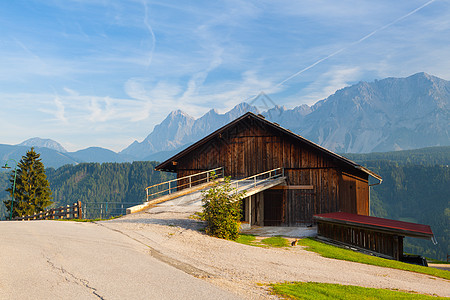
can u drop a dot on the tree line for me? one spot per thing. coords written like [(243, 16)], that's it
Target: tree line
[(95, 183)]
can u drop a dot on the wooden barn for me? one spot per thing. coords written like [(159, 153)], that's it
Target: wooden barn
[(316, 181)]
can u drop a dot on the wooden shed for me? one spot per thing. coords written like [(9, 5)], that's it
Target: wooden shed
[(383, 237), (317, 180)]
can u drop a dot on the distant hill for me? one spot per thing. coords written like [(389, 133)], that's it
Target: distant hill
[(425, 156), (53, 158), (50, 158), (99, 155)]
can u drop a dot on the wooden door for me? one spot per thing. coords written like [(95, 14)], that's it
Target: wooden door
[(273, 207)]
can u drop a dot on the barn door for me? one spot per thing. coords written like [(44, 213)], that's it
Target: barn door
[(300, 207), (273, 207), (347, 194)]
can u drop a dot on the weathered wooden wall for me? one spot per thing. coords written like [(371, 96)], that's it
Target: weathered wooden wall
[(384, 243), (251, 147)]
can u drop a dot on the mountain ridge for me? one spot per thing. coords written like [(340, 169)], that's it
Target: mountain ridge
[(383, 115)]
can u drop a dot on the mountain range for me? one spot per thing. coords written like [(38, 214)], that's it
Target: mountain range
[(384, 115)]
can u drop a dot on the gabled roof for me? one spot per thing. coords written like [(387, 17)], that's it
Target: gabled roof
[(165, 166), (393, 226)]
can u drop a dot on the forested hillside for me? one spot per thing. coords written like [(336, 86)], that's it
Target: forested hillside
[(95, 183), (415, 188)]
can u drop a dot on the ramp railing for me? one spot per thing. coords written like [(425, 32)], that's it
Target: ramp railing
[(174, 185), (258, 179)]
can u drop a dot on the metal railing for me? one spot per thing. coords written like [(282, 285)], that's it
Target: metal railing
[(189, 181), (254, 180)]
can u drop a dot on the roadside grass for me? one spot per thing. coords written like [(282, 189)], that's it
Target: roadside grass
[(276, 241), (246, 239), (250, 239), (330, 251), (88, 220), (319, 291)]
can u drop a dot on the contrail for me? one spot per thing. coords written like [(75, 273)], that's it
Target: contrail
[(356, 42), (149, 27)]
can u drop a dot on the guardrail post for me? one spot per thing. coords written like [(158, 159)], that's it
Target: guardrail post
[(207, 177), (190, 182), (169, 187)]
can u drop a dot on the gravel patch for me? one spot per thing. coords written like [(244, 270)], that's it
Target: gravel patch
[(246, 270)]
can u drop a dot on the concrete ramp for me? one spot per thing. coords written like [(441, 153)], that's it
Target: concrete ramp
[(183, 197), (252, 187), (192, 202), (190, 199)]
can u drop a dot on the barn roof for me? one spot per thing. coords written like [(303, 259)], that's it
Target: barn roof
[(381, 224), (168, 166)]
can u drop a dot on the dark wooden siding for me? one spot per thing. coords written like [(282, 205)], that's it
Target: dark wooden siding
[(251, 147), (384, 243)]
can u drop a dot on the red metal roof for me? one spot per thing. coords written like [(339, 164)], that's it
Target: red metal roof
[(381, 223)]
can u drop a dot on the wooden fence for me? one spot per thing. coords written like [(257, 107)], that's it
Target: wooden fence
[(64, 212)]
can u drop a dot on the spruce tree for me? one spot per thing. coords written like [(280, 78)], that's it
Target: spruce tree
[(32, 192)]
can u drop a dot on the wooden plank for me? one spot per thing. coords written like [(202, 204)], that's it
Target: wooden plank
[(293, 187)]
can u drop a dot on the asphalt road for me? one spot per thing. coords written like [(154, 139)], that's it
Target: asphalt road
[(68, 260)]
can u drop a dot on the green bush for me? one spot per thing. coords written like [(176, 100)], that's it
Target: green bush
[(222, 210)]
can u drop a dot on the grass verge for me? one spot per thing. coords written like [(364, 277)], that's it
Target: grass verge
[(246, 239), (250, 239), (330, 251), (276, 241), (318, 291)]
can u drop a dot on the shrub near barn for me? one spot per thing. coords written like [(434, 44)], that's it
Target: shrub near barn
[(222, 210)]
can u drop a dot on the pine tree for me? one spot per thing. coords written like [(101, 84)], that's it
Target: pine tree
[(32, 191)]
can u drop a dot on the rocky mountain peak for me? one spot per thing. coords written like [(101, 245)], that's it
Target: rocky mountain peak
[(383, 115), (43, 143)]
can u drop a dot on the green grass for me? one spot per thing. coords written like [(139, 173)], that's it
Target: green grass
[(330, 251), (246, 239), (276, 241), (318, 291), (250, 239)]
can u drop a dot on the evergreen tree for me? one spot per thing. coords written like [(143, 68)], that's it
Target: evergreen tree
[(32, 191)]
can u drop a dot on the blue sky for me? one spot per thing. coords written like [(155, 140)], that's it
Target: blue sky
[(103, 73)]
